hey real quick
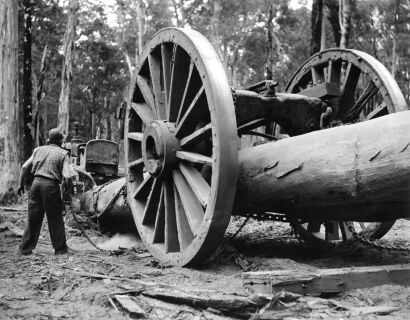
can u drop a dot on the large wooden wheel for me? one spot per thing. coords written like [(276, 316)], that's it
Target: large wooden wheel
[(181, 147), (358, 88)]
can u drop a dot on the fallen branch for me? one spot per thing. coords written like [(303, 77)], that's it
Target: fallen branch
[(13, 209)]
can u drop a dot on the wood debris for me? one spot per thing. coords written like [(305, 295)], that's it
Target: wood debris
[(327, 280)]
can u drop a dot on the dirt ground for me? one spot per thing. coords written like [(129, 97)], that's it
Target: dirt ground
[(83, 284)]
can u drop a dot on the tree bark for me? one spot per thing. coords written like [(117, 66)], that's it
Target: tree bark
[(179, 14), (216, 9), (345, 17), (67, 70), (332, 14), (316, 25), (39, 95), (9, 107), (27, 84), (356, 172), (269, 73), (395, 33), (140, 18), (108, 125), (323, 30)]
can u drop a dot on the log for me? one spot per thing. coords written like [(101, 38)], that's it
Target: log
[(355, 172), (325, 281), (118, 217)]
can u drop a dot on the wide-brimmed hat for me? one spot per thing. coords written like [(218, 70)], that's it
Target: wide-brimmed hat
[(55, 136)]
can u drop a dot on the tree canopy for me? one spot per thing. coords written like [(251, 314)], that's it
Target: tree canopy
[(256, 40)]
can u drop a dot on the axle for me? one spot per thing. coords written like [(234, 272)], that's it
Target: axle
[(355, 172)]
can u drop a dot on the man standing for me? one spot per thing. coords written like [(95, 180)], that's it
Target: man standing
[(49, 165)]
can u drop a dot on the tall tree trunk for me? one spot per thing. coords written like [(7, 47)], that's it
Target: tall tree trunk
[(323, 30), (332, 14), (121, 21), (345, 18), (9, 106), (395, 32), (269, 73), (216, 9), (39, 95), (140, 18), (67, 71), (27, 85), (316, 25), (93, 126), (108, 126), (179, 13)]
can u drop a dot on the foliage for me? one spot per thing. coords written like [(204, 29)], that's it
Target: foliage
[(237, 29)]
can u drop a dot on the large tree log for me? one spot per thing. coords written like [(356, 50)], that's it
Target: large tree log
[(109, 204), (354, 172)]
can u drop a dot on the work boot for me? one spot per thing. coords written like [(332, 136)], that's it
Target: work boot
[(61, 251)]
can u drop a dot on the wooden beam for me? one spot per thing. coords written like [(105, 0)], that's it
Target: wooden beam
[(325, 280), (324, 90)]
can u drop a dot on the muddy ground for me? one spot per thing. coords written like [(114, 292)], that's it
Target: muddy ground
[(83, 284)]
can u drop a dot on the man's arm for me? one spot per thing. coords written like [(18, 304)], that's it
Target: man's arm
[(25, 170)]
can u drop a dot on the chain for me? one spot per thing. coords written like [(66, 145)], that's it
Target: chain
[(98, 214), (83, 231), (374, 243), (268, 216)]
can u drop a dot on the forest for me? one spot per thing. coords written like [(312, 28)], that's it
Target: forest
[(76, 58)]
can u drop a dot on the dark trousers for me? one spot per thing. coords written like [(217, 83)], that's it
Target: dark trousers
[(45, 196)]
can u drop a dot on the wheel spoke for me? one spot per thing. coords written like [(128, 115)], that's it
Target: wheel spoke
[(171, 231), (159, 228), (136, 163), (361, 102), (182, 107), (194, 157), (348, 89), (193, 115), (332, 230), (191, 204), (333, 71), (166, 53), (185, 235), (179, 77), (144, 112), (146, 91), (318, 75), (144, 188), (379, 111), (197, 136), (154, 61), (135, 136), (151, 207), (198, 184), (251, 125)]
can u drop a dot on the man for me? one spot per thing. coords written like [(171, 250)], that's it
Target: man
[(49, 165)]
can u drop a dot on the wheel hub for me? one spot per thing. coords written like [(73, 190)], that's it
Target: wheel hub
[(159, 147)]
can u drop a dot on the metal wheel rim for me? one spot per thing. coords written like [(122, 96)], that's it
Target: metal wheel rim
[(173, 46), (394, 102)]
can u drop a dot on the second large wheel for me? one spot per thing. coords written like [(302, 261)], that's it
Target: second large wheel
[(180, 145), (358, 88)]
